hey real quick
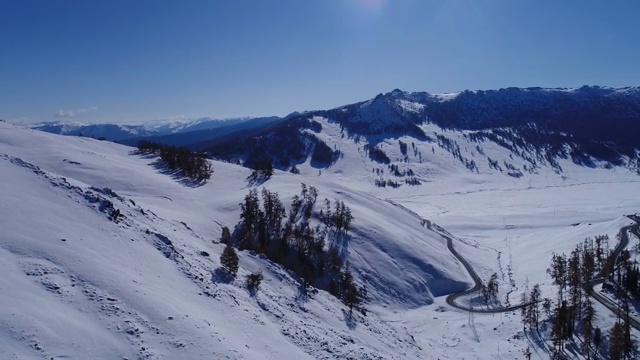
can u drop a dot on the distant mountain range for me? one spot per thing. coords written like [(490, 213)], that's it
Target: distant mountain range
[(155, 130), (589, 126)]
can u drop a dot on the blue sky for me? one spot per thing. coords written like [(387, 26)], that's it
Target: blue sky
[(136, 60)]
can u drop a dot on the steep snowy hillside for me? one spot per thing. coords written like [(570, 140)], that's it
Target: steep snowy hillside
[(440, 158), (77, 282), (147, 286)]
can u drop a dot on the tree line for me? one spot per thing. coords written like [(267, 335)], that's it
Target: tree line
[(192, 165)]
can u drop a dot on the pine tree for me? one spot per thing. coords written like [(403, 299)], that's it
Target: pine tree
[(616, 342), (574, 279), (327, 215), (627, 344), (274, 211), (350, 293), (588, 260), (560, 329), (597, 337), (599, 252), (296, 205), (557, 271), (251, 215), (267, 170), (546, 306), (534, 306), (493, 287), (485, 294), (524, 311), (249, 209), (348, 218), (588, 316), (229, 260)]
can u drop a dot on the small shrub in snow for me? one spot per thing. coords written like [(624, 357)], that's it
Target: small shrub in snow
[(225, 237), (253, 281)]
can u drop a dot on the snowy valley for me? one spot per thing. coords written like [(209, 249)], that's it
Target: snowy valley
[(81, 282)]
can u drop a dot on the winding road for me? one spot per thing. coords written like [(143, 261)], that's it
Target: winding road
[(451, 299), (588, 286)]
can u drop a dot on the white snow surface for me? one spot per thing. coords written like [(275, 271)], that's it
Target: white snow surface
[(78, 285)]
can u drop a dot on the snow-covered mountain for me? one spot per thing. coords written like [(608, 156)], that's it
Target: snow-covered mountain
[(151, 129), (510, 175), (405, 138)]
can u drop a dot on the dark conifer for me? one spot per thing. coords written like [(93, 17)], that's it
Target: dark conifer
[(229, 260), (534, 307), (588, 317), (616, 342), (350, 293), (597, 337)]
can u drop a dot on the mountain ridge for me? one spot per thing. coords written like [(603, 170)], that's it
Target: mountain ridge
[(588, 127)]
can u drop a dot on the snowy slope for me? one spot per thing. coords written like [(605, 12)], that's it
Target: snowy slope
[(142, 288), (505, 224), (500, 223)]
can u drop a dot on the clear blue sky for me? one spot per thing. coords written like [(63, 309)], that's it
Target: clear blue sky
[(136, 60)]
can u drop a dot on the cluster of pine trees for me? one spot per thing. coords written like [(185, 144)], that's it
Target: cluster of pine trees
[(376, 154), (385, 183), (628, 275), (412, 181), (192, 165), (339, 219), (322, 153), (287, 238), (625, 281), (453, 148), (409, 175), (573, 313), (403, 147), (530, 144), (262, 170)]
